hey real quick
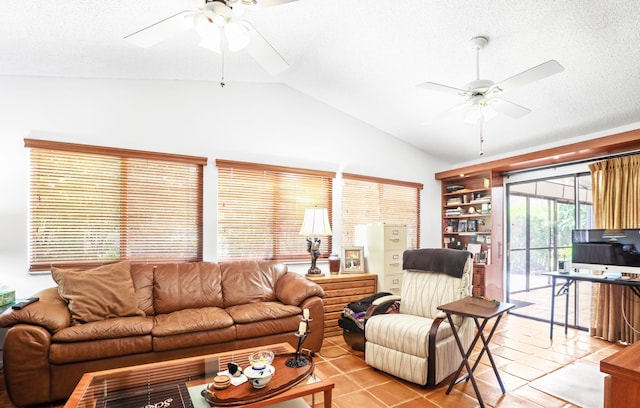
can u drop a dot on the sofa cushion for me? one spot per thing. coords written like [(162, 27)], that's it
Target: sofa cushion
[(222, 338), (190, 321), (259, 311), (250, 281), (285, 326), (115, 328), (99, 293), (142, 276), (183, 286), (64, 353)]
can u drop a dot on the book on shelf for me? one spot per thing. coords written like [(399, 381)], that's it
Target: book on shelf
[(480, 200)]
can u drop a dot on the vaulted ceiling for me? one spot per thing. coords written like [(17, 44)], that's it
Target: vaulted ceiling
[(365, 58)]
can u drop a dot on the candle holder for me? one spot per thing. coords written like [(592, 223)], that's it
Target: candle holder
[(298, 360)]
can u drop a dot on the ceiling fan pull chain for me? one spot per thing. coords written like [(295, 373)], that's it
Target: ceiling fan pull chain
[(481, 134), (222, 49)]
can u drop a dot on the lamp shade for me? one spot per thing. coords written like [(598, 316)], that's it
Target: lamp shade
[(315, 223)]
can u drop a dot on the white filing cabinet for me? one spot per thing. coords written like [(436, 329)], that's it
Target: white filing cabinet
[(383, 245)]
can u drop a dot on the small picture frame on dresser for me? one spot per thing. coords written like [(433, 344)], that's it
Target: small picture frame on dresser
[(353, 259)]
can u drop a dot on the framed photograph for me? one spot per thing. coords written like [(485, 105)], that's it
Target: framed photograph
[(353, 259), (472, 226), (462, 226)]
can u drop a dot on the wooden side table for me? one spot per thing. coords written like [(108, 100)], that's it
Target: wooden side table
[(340, 289), (481, 311), (622, 383)]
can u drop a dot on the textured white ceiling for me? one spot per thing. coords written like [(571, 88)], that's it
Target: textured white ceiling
[(365, 57)]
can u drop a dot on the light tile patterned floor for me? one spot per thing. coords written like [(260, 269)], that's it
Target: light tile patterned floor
[(522, 351)]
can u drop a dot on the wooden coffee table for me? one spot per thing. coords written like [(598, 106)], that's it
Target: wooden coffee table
[(179, 382)]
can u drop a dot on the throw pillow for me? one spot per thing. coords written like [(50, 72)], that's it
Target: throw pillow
[(100, 293)]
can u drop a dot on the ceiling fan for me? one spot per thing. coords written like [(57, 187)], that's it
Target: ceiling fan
[(483, 99), (218, 22), (482, 96)]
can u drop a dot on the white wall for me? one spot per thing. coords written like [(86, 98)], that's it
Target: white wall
[(266, 123)]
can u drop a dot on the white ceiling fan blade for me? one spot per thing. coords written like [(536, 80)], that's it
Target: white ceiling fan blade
[(263, 52), (432, 86), (508, 108), (162, 30), (536, 73), (446, 113)]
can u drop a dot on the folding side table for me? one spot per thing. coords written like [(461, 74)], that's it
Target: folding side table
[(481, 311)]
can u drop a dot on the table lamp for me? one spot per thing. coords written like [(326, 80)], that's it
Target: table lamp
[(315, 223)]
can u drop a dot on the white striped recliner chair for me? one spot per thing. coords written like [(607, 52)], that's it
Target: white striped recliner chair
[(417, 343)]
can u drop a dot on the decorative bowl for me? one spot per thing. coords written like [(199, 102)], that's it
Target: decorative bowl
[(261, 358), (259, 376)]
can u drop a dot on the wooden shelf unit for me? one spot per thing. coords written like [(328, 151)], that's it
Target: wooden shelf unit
[(339, 290), (472, 214)]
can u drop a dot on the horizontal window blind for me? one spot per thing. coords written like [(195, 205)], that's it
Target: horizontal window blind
[(91, 205), (370, 199), (261, 208)]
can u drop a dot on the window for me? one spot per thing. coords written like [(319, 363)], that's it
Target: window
[(261, 208), (92, 205), (368, 199)]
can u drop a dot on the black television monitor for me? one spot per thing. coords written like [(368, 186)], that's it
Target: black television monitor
[(609, 250)]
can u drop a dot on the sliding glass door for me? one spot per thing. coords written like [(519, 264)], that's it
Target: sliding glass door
[(541, 214)]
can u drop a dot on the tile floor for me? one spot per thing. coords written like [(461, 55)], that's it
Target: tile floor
[(522, 351)]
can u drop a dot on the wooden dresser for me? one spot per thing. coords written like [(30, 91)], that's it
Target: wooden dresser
[(622, 384), (339, 291)]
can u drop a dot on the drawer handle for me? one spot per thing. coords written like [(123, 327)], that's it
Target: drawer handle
[(396, 281), (394, 239), (394, 264), (396, 256)]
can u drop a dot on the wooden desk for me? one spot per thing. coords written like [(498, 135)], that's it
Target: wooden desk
[(572, 277), (467, 308), (622, 384)]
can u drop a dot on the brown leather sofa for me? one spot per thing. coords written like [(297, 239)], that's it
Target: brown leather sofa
[(182, 310)]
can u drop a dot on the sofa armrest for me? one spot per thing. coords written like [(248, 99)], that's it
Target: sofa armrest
[(50, 312), (26, 364), (293, 289)]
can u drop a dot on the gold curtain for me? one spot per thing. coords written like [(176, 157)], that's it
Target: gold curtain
[(616, 203)]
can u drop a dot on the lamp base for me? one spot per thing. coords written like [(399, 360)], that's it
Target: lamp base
[(314, 271)]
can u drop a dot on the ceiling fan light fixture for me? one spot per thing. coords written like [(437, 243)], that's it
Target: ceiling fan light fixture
[(480, 111), (206, 27), (237, 36)]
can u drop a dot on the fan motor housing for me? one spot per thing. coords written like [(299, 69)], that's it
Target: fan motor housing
[(479, 86)]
